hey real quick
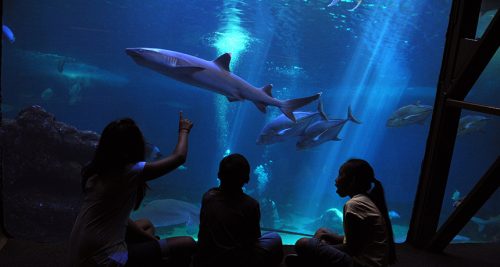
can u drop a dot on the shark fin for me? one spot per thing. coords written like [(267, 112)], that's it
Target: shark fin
[(336, 138), (321, 110), (188, 70), (267, 89), (261, 106), (351, 117), (223, 61)]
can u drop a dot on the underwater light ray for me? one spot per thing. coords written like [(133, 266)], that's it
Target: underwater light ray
[(234, 39), (366, 100)]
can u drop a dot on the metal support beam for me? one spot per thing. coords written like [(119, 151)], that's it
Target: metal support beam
[(473, 107), (483, 190), (460, 63)]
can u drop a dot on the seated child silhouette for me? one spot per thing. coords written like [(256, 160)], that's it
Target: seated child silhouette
[(230, 223)]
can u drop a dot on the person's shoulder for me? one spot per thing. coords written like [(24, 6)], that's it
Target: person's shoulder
[(211, 193), (355, 201), (359, 203), (250, 200)]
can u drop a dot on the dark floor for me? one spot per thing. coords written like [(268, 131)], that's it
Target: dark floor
[(19, 253)]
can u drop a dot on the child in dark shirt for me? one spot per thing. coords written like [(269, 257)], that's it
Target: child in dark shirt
[(230, 223)]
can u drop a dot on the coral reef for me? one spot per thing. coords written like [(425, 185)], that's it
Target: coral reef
[(42, 160)]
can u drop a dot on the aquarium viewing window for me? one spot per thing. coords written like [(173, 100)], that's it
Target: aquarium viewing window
[(365, 73)]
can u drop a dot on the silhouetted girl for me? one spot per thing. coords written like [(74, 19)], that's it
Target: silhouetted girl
[(114, 184), (368, 239)]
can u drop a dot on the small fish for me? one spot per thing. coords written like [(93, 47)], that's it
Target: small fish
[(333, 3), (7, 34), (457, 198), (394, 214), (152, 152)]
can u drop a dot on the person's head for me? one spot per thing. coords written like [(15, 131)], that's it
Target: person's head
[(355, 176), (234, 171), (121, 143)]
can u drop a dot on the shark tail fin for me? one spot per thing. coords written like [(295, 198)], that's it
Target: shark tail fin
[(288, 106), (351, 117)]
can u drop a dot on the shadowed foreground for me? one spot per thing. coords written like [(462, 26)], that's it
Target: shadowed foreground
[(25, 253)]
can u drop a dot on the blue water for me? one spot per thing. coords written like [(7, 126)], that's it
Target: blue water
[(383, 55)]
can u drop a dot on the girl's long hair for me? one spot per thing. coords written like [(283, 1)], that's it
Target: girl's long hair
[(365, 176), (121, 144)]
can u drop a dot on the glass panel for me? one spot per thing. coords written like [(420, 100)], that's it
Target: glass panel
[(488, 10), (377, 63), (485, 90), (476, 148)]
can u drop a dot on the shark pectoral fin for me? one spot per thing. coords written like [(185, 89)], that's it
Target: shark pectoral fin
[(336, 138), (261, 106), (223, 61), (188, 70), (233, 99)]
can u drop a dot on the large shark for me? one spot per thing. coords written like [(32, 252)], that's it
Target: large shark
[(322, 131), (282, 128), (170, 212), (410, 114), (213, 75), (470, 124)]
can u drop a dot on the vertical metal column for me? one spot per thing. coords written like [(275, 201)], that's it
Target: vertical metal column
[(440, 142)]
